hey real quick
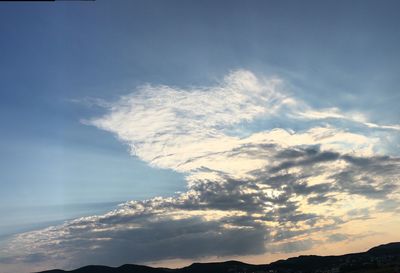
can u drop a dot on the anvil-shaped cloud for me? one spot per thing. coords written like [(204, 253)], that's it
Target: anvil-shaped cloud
[(249, 191)]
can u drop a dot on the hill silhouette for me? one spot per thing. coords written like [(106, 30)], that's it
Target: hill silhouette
[(380, 259)]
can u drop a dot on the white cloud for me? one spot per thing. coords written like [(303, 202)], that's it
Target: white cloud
[(335, 113), (187, 129), (246, 194), (168, 127)]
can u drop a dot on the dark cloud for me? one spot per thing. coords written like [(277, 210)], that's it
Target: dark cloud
[(372, 177), (389, 205), (228, 216), (29, 258), (359, 214), (167, 238), (319, 199), (303, 157), (337, 237), (294, 246)]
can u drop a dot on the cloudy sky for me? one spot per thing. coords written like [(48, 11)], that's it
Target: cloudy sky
[(167, 132)]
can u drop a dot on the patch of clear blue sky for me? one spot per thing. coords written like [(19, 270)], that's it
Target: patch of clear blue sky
[(330, 53)]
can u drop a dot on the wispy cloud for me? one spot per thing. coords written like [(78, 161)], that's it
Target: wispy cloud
[(269, 190)]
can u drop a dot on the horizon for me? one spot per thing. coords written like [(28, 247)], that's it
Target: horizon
[(170, 132), (237, 261), (285, 257)]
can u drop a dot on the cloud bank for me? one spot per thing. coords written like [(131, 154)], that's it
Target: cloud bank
[(250, 189)]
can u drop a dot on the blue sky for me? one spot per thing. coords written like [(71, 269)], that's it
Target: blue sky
[(57, 59)]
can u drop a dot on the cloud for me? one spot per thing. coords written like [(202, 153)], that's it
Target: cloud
[(334, 113), (179, 129), (187, 129), (294, 246), (389, 205), (248, 191), (337, 237)]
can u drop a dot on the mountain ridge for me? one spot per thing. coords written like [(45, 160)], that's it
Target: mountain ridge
[(383, 258)]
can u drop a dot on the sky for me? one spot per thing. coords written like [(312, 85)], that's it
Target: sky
[(172, 132)]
